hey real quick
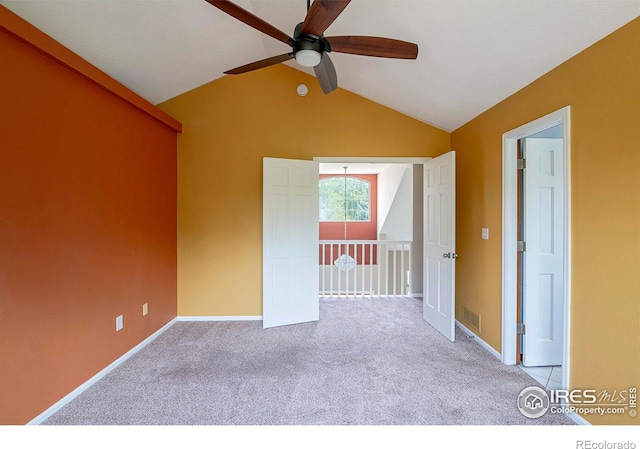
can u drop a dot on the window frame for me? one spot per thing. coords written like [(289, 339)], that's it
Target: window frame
[(354, 177)]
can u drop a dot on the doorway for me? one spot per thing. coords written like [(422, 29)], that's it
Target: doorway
[(433, 253), (398, 231), (536, 239), (290, 232)]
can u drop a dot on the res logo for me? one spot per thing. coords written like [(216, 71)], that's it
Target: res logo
[(615, 397)]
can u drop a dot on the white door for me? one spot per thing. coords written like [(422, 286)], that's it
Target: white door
[(543, 257), (439, 243), (290, 242)]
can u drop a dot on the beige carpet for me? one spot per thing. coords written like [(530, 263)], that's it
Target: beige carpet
[(366, 362)]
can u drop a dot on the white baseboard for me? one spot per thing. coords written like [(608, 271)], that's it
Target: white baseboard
[(75, 393), (219, 318), (479, 340), (573, 416)]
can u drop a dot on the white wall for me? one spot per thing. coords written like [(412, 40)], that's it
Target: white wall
[(395, 202), (415, 287)]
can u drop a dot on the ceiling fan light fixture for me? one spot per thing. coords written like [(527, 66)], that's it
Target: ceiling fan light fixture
[(308, 58), (309, 46)]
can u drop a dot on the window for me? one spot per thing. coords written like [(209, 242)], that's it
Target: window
[(332, 199)]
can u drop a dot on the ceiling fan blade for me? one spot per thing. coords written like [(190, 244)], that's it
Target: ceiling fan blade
[(373, 46), (322, 14), (253, 21), (326, 74), (260, 64)]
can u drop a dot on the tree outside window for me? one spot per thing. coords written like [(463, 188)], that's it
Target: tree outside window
[(332, 199)]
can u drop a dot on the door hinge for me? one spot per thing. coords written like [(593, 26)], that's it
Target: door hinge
[(522, 246), (520, 328), (522, 164)]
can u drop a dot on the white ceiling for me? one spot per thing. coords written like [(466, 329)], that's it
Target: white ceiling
[(472, 53)]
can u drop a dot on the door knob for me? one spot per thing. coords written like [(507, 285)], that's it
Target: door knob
[(446, 255)]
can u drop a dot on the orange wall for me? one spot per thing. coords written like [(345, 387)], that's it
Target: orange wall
[(87, 223), (232, 123), (602, 86)]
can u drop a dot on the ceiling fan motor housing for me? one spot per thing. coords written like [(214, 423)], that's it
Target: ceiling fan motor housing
[(308, 49), (308, 42)]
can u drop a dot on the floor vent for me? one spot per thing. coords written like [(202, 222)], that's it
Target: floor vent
[(471, 318)]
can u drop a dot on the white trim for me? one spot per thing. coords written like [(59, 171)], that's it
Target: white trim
[(220, 318), (509, 232), (372, 160), (75, 393), (479, 340), (567, 248), (416, 295)]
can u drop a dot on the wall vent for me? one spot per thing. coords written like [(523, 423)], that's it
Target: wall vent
[(471, 318)]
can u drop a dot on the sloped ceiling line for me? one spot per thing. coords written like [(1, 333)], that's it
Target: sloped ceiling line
[(472, 54)]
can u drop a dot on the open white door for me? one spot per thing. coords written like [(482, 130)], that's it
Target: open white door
[(290, 242), (543, 306), (439, 243)]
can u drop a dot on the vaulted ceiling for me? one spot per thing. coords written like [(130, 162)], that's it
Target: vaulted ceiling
[(472, 53)]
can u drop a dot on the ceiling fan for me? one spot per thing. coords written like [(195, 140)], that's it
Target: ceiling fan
[(310, 48)]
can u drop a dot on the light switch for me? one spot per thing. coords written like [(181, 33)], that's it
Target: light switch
[(485, 233)]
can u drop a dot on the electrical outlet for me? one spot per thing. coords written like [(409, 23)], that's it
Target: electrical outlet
[(119, 322), (145, 308), (485, 233)]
